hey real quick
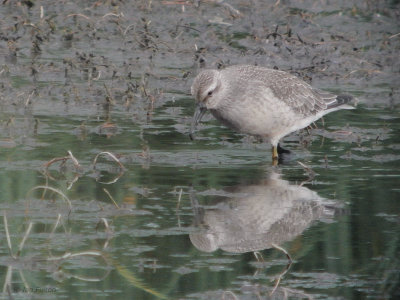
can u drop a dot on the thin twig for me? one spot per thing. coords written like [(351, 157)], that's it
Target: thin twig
[(286, 269), (63, 160), (76, 177), (79, 15), (71, 255), (311, 173), (258, 256), (109, 195), (56, 159), (74, 160), (21, 245), (179, 199), (29, 98), (26, 284), (108, 231), (111, 155), (8, 235), (104, 220), (113, 15), (394, 35), (55, 226), (7, 281), (284, 251), (54, 190), (128, 28)]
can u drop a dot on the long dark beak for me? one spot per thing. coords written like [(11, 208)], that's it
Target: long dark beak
[(198, 114)]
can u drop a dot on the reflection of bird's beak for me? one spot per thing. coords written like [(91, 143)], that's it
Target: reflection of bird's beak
[(198, 114)]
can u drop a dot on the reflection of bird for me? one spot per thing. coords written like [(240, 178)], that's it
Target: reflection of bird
[(257, 217), (261, 102)]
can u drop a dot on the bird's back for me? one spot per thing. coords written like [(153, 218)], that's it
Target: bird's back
[(293, 92)]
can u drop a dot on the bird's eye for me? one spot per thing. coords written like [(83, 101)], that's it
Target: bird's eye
[(209, 93)]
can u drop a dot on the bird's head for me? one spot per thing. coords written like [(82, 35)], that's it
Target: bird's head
[(205, 86), (204, 89)]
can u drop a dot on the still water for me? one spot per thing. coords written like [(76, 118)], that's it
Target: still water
[(103, 195), (202, 219)]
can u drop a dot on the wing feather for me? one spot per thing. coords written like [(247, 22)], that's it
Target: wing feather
[(298, 95)]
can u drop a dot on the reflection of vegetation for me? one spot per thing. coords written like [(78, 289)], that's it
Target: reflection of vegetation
[(136, 282), (51, 263), (389, 266), (343, 248), (45, 188)]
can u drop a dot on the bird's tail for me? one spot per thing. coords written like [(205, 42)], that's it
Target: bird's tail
[(341, 102)]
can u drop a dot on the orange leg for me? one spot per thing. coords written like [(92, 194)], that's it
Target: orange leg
[(274, 153)]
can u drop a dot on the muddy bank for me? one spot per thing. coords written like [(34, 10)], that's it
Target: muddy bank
[(68, 57)]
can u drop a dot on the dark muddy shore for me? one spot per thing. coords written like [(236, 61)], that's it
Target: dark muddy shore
[(83, 54)]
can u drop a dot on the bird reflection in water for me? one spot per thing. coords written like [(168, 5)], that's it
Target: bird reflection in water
[(251, 218)]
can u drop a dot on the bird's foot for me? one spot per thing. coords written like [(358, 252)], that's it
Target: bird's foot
[(279, 154)]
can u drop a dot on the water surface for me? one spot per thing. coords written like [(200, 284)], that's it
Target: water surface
[(201, 219)]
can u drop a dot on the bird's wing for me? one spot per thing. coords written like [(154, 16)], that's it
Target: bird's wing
[(298, 95)]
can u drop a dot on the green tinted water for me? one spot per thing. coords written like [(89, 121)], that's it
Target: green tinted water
[(347, 247), (182, 219)]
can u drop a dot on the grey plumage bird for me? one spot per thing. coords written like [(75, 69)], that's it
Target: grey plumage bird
[(262, 102)]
